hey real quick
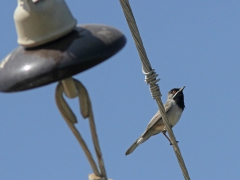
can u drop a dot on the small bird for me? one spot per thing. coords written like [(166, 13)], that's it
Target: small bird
[(173, 107)]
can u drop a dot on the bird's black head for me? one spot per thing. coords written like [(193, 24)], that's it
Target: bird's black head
[(179, 98)]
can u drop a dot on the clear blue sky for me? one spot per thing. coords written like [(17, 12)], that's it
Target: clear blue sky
[(192, 43)]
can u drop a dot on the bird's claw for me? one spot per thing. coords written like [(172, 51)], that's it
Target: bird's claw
[(172, 144)]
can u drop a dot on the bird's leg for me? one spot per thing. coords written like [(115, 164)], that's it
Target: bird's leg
[(164, 133)]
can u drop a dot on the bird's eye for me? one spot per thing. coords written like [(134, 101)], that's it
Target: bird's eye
[(173, 92)]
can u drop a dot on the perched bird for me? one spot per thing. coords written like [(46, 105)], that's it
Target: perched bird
[(173, 107)]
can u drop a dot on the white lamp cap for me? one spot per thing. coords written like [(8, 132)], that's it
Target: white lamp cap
[(41, 21)]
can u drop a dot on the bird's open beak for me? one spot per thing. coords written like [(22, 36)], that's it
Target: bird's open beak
[(181, 89)]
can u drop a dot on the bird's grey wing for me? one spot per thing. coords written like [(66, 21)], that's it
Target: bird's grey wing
[(154, 119), (157, 118)]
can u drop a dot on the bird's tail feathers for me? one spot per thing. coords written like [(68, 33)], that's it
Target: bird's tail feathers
[(134, 145)]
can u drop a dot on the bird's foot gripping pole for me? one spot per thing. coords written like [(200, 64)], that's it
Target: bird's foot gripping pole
[(164, 133)]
